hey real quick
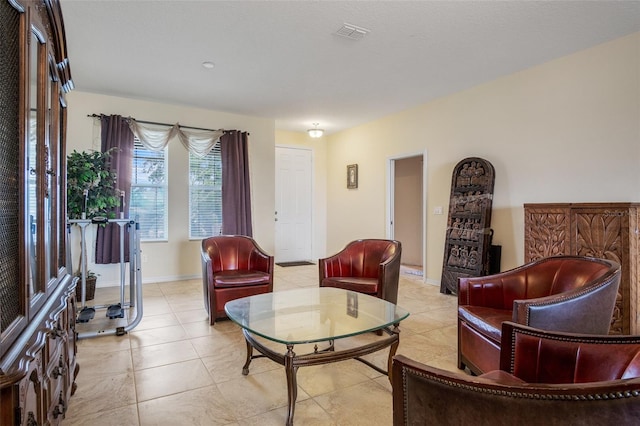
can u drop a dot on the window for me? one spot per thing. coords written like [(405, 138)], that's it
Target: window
[(149, 192), (205, 194)]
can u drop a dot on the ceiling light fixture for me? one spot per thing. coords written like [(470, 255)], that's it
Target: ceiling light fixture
[(315, 132), (208, 65)]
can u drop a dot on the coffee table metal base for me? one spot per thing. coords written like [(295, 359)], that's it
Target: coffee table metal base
[(292, 361)]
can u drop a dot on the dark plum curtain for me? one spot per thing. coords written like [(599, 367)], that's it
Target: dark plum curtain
[(236, 194), (116, 134)]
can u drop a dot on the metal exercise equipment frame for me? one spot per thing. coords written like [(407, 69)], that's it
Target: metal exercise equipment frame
[(87, 313)]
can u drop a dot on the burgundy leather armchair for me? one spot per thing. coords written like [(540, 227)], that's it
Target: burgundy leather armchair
[(365, 266), (233, 266), (549, 378), (563, 293)]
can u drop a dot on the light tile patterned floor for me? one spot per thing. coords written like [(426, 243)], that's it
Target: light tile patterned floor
[(174, 369)]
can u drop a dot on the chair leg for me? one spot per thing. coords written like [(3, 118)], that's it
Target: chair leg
[(212, 307), (461, 365)]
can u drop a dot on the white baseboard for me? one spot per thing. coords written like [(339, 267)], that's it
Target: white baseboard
[(148, 280), (432, 282)]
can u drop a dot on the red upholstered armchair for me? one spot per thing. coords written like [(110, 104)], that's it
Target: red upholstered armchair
[(545, 378), (233, 266), (366, 266), (564, 293)]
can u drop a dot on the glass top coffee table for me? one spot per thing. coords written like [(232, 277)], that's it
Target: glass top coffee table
[(315, 315)]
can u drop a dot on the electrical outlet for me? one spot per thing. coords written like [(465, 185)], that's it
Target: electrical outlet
[(144, 258), (437, 210)]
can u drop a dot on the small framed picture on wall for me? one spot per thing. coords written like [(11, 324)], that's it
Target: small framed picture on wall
[(352, 176)]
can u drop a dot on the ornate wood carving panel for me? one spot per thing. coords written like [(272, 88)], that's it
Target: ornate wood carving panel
[(546, 233), (601, 233), (604, 230)]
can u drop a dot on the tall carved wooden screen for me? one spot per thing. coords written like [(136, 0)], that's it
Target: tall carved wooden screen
[(468, 239), (604, 230)]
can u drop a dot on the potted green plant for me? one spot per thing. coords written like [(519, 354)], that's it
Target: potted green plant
[(91, 186), (91, 192)]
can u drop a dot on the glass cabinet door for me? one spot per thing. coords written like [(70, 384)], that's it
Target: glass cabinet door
[(50, 175), (55, 197), (36, 52), (44, 211), (62, 262)]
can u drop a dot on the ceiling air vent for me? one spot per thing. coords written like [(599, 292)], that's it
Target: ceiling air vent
[(352, 31)]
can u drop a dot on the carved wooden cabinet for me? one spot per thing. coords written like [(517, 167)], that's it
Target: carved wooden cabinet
[(37, 294), (468, 238), (605, 230)]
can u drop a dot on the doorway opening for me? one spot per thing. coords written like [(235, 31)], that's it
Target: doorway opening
[(407, 206)]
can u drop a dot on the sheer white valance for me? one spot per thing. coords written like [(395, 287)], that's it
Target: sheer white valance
[(156, 137)]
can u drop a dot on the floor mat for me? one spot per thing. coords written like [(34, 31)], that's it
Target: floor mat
[(411, 270), (300, 263)]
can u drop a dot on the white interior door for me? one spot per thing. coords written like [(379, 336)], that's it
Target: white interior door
[(293, 204)]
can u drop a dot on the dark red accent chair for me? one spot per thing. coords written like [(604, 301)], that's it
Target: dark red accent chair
[(545, 378), (563, 293), (233, 266), (368, 266)]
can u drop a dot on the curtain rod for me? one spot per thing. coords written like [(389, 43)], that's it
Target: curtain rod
[(160, 124)]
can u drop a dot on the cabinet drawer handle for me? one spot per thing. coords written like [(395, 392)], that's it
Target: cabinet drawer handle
[(59, 370), (31, 419), (56, 332), (57, 411), (61, 408)]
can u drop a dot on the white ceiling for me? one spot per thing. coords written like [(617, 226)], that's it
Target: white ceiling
[(281, 60)]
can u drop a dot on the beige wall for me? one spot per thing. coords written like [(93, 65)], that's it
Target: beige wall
[(318, 148), (567, 130), (179, 257)]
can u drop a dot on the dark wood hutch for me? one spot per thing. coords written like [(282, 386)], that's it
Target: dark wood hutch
[(37, 294)]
